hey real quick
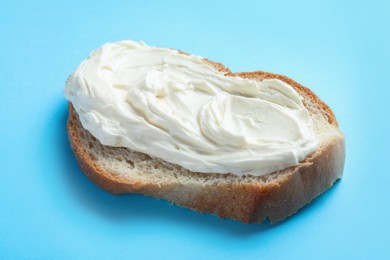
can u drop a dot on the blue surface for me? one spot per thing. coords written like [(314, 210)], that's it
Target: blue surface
[(49, 209)]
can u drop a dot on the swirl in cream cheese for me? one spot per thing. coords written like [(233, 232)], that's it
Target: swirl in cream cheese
[(178, 108)]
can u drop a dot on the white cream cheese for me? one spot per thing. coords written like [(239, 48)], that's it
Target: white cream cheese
[(182, 110)]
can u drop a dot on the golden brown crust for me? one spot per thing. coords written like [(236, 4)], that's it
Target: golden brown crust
[(249, 202)]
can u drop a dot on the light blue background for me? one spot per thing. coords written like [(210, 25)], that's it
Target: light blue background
[(49, 209)]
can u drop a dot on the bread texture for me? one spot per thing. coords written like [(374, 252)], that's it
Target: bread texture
[(250, 199)]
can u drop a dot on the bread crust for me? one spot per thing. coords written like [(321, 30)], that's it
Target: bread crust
[(251, 201)]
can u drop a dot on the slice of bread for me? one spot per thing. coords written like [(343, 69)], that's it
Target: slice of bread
[(250, 199)]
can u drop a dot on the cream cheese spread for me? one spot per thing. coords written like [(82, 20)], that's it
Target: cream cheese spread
[(178, 108)]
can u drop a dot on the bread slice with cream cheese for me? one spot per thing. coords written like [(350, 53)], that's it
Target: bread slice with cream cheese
[(247, 198)]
